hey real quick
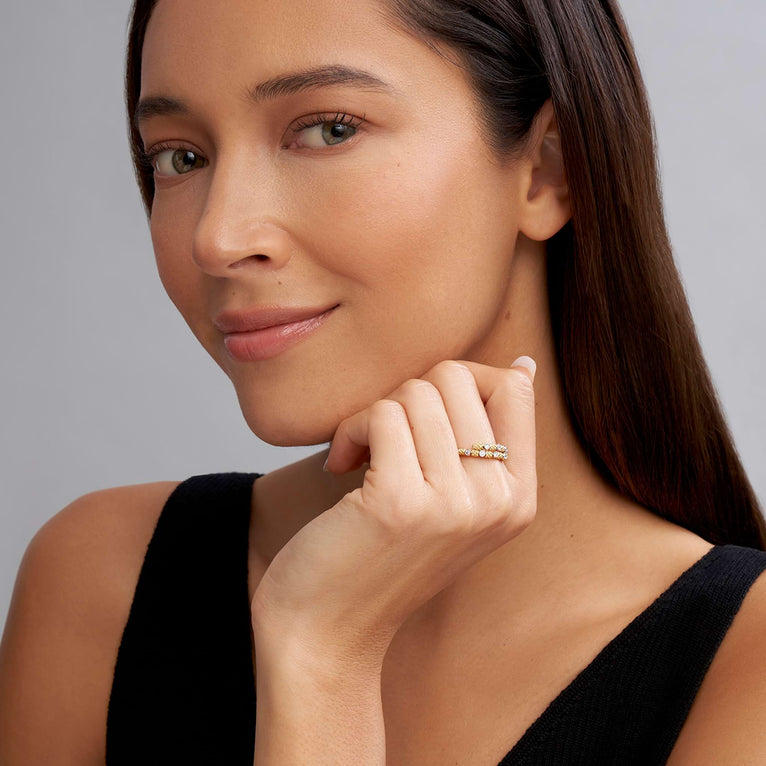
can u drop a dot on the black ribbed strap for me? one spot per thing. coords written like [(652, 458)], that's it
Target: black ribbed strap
[(184, 689), (628, 706)]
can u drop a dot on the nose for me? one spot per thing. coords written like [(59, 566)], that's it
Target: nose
[(240, 227)]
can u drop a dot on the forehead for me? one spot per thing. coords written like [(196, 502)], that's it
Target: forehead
[(198, 40)]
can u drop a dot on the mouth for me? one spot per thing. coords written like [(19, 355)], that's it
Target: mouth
[(279, 330)]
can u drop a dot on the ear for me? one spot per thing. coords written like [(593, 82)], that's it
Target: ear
[(545, 206)]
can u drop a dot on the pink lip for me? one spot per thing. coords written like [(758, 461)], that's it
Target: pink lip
[(264, 333)]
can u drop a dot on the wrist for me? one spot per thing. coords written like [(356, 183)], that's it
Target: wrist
[(316, 705), (322, 658)]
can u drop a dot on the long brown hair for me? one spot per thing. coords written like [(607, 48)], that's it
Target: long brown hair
[(636, 383)]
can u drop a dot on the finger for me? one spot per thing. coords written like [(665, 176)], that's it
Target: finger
[(384, 430), (463, 404), (431, 429), (509, 400)]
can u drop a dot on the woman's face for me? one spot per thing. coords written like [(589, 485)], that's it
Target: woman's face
[(403, 219)]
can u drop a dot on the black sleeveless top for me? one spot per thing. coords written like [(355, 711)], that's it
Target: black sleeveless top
[(184, 691)]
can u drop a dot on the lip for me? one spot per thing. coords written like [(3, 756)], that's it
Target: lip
[(264, 333), (265, 316)]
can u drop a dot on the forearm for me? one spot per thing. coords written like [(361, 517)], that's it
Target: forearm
[(314, 710)]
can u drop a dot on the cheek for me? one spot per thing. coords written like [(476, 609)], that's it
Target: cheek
[(172, 229), (430, 227), (164, 242)]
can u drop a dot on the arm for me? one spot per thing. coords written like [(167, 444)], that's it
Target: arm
[(69, 607), (316, 709), (332, 599)]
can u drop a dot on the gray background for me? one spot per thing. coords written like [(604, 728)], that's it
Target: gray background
[(102, 383)]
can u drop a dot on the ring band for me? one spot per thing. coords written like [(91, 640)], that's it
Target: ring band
[(492, 451)]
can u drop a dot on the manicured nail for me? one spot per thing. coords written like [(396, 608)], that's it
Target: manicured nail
[(528, 363)]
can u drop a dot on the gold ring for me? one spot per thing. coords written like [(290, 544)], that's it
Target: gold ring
[(491, 451)]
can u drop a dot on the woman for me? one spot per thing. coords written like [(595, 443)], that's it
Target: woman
[(374, 217)]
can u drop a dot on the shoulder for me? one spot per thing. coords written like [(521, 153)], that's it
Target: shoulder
[(101, 525), (725, 723), (70, 604), (94, 549)]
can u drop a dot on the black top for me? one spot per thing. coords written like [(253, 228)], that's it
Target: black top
[(184, 691)]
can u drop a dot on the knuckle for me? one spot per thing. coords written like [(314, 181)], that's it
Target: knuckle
[(525, 508), (405, 512), (495, 496), (460, 513), (501, 506), (504, 495), (449, 368), (343, 427), (519, 386), (386, 411), (416, 388), (527, 511)]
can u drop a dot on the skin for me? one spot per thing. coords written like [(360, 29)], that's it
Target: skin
[(434, 250), (432, 247), (412, 200)]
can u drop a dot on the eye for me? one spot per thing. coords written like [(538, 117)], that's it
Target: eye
[(173, 161), (324, 130)]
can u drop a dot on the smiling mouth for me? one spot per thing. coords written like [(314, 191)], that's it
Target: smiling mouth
[(273, 337)]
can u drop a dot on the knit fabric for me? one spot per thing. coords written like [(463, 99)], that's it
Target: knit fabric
[(628, 706), (184, 690)]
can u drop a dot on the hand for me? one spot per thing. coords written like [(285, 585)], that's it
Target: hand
[(348, 579)]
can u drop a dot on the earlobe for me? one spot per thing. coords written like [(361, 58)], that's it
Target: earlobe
[(546, 208)]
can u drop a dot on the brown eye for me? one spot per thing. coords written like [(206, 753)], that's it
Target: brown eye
[(337, 132), (322, 131), (171, 162)]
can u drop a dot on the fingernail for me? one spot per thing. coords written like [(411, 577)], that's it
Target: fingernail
[(528, 363), (324, 467)]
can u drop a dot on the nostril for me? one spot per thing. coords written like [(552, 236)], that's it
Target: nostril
[(242, 262)]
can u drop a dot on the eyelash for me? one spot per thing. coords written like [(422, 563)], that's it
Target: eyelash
[(147, 158), (339, 118)]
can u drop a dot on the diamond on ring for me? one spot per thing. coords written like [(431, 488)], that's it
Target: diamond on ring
[(491, 451)]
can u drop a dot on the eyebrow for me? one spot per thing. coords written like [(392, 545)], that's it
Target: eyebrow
[(283, 85)]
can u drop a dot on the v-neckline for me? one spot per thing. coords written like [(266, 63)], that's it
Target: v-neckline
[(605, 654)]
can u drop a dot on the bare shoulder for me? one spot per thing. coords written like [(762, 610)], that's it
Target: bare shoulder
[(70, 604), (725, 723)]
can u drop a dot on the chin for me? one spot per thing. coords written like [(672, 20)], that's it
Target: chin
[(287, 430)]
